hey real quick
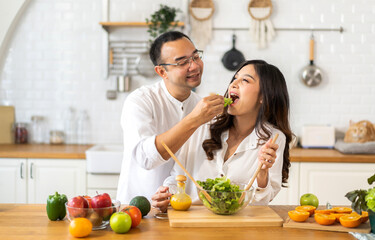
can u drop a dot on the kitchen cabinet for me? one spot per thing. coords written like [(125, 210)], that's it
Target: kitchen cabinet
[(32, 180), (328, 181), (331, 181), (102, 183)]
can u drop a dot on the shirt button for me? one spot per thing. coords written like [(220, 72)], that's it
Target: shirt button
[(222, 175), (235, 154), (182, 108)]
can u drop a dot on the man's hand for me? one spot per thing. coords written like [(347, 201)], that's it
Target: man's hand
[(161, 198), (207, 108)]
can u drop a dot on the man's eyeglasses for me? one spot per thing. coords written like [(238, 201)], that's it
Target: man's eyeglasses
[(197, 56)]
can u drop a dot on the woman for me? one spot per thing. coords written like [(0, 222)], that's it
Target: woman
[(240, 138)]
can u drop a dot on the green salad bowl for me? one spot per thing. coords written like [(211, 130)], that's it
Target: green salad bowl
[(227, 203)]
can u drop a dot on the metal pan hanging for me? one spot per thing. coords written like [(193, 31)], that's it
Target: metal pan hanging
[(233, 58), (311, 75)]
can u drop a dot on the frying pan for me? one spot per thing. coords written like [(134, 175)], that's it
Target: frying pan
[(232, 58), (311, 75)]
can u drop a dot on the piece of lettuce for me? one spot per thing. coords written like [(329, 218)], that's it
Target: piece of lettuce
[(370, 199), (227, 101), (225, 196)]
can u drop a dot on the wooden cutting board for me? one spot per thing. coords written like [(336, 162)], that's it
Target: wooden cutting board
[(6, 123), (336, 227), (199, 216)]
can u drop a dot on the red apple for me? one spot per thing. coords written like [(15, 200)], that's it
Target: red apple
[(88, 198), (78, 206), (102, 201)]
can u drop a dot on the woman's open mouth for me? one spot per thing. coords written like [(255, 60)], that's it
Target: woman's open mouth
[(235, 98)]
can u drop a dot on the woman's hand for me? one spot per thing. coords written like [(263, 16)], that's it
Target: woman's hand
[(267, 154), (161, 198), (267, 157)]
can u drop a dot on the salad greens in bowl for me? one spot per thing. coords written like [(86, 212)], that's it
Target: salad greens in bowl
[(225, 196)]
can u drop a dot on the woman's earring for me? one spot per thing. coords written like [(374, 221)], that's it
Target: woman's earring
[(261, 101)]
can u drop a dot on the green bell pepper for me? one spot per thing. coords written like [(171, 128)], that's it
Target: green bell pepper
[(56, 206)]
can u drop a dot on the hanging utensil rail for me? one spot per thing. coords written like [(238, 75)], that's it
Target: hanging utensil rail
[(339, 29)]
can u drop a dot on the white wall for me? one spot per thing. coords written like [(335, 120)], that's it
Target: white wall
[(55, 59)]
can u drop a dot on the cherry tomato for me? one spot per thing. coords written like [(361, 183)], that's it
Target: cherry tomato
[(134, 213)]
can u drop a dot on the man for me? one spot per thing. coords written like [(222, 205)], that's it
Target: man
[(167, 111)]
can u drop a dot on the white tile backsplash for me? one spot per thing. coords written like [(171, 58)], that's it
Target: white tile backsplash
[(55, 59)]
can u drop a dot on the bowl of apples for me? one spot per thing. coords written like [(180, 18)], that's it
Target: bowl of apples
[(98, 209)]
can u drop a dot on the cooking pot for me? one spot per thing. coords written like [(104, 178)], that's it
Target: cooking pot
[(233, 58)]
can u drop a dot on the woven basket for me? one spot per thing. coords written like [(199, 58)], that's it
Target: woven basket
[(201, 4), (260, 4)]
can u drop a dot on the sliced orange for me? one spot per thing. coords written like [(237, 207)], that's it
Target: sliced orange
[(325, 211), (324, 219), (298, 216), (342, 209), (338, 215), (306, 208), (350, 220), (364, 216)]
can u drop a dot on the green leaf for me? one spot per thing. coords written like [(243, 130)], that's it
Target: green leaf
[(371, 179)]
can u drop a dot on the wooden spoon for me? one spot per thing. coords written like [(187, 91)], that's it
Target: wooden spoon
[(255, 174), (208, 197)]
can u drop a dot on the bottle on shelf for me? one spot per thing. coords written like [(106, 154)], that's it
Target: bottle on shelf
[(181, 201), (83, 128), (70, 126)]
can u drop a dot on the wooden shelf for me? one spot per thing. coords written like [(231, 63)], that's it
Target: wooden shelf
[(106, 25)]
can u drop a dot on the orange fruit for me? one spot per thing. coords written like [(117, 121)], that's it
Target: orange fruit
[(350, 220), (364, 216), (80, 227), (298, 216), (342, 209), (306, 208), (324, 211), (324, 219), (338, 215)]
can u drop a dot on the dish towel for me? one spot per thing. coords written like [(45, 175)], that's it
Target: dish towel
[(363, 236)]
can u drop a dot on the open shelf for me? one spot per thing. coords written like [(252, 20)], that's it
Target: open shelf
[(107, 25)]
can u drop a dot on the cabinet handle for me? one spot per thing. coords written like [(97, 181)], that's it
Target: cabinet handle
[(31, 170), (21, 170)]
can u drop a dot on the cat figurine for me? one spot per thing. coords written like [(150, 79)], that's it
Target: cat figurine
[(360, 132)]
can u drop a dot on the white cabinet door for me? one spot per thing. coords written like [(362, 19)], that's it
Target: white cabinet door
[(46, 176), (13, 180), (331, 181), (102, 183), (289, 195)]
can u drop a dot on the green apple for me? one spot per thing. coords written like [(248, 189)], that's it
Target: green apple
[(309, 199), (120, 222)]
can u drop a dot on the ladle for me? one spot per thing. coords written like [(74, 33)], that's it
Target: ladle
[(208, 197), (255, 174)]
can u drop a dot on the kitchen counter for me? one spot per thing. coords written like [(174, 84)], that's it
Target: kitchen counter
[(328, 155), (31, 222), (78, 152), (63, 151)]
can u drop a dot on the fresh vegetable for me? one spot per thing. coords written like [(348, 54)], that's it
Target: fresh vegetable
[(134, 213), (363, 200), (142, 203), (227, 101), (225, 196), (56, 206)]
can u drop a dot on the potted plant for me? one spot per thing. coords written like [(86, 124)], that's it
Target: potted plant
[(364, 200), (162, 21)]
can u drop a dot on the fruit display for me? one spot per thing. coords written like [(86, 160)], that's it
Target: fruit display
[(337, 215), (142, 203), (98, 209)]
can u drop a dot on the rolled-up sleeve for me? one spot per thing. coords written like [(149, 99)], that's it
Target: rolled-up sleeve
[(139, 129)]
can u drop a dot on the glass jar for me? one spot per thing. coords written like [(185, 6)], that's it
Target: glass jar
[(181, 201), (37, 129), (20, 132), (56, 137)]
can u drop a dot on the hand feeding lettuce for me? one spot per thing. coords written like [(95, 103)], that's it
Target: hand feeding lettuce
[(225, 196)]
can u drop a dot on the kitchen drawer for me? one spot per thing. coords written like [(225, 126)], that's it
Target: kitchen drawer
[(96, 181)]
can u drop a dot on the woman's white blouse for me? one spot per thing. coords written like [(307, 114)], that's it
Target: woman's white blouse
[(239, 168)]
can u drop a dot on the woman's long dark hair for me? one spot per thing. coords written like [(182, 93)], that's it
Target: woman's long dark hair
[(274, 110)]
